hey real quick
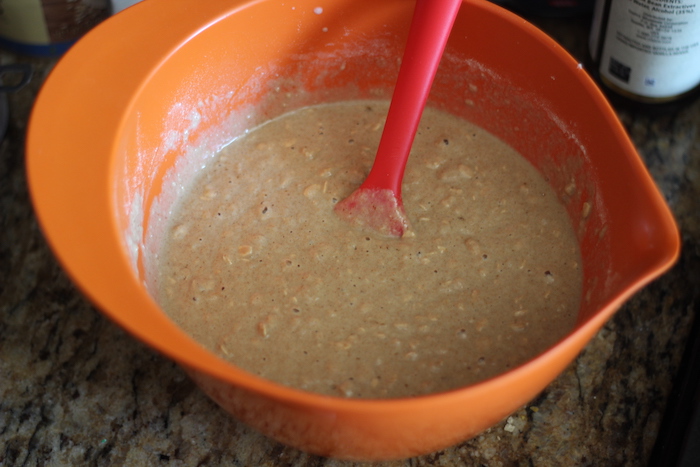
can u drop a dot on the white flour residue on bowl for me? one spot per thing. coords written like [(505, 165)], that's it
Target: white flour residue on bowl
[(133, 204), (567, 131), (134, 232), (195, 157), (181, 124)]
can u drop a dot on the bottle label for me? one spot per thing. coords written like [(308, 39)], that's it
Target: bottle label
[(652, 47)]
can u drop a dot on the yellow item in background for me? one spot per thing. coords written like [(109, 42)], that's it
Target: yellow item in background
[(47, 27), (23, 21)]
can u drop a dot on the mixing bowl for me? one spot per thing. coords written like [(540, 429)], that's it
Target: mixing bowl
[(164, 84)]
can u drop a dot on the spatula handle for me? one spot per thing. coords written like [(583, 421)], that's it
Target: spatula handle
[(430, 28)]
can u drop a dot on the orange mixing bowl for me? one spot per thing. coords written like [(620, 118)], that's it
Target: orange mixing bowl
[(173, 78)]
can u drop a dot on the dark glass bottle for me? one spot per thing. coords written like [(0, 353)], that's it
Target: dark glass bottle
[(646, 53)]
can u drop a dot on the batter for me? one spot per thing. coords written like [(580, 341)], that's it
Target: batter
[(259, 269)]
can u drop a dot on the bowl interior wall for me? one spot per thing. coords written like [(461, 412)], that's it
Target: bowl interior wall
[(230, 77)]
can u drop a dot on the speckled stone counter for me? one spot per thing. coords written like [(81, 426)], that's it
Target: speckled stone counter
[(76, 390)]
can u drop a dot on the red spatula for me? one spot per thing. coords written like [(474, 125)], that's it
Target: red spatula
[(377, 204)]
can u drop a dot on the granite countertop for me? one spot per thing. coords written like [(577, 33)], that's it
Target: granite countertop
[(76, 390)]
